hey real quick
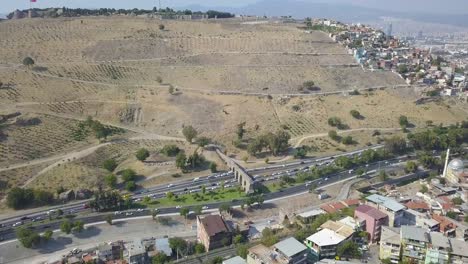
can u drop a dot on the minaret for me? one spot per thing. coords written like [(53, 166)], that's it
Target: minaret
[(446, 164)]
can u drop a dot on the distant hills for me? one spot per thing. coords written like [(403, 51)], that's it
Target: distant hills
[(343, 11)]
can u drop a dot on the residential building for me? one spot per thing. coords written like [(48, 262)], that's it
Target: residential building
[(419, 206), (414, 242), (390, 244), (412, 217), (288, 251), (438, 249), (389, 206), (446, 226), (459, 253), (235, 260), (374, 220), (213, 232), (104, 252), (325, 242), (135, 253)]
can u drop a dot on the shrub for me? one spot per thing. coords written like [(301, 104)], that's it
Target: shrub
[(355, 114), (28, 61), (161, 27), (142, 154), (170, 150), (109, 165)]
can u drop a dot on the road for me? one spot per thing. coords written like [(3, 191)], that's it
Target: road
[(8, 232), (207, 180)]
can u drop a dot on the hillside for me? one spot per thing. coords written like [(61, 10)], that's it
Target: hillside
[(118, 70)]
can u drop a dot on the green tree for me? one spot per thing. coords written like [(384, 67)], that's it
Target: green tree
[(66, 227), (109, 219), (111, 180), (184, 212), (308, 85), (355, 114), (268, 237), (411, 167), (383, 176), (197, 210), (452, 215), (238, 239), (348, 249), (403, 121), (130, 186), (28, 61), (213, 167), (336, 122), (170, 150), (402, 69), (142, 154), (170, 195), (395, 145), (181, 161), (189, 133), (203, 141), (177, 244), (348, 140), (199, 248), (242, 251), (334, 135), (225, 207), (159, 258), (457, 201), (128, 175), (240, 131), (154, 213), (47, 235), (109, 164), (423, 189), (27, 237), (78, 226), (203, 189)]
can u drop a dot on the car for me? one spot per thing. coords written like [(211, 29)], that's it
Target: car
[(71, 211), (37, 219), (85, 206), (117, 213), (17, 224), (128, 213), (214, 184), (194, 191), (140, 210), (248, 222), (326, 179), (178, 207), (24, 218), (367, 165), (350, 171), (196, 179), (205, 207), (170, 185), (185, 189)]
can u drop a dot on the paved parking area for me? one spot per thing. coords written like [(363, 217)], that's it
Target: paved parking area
[(13, 252)]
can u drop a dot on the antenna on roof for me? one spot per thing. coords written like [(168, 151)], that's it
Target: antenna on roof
[(446, 163)]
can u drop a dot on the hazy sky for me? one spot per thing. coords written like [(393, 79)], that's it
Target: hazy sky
[(421, 6)]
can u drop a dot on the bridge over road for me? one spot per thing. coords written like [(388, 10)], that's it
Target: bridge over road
[(240, 174)]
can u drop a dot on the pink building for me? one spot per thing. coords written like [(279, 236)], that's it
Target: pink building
[(374, 220)]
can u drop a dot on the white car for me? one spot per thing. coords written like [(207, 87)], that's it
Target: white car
[(140, 210), (17, 224), (205, 207), (178, 207), (170, 185), (350, 171), (128, 213), (117, 213)]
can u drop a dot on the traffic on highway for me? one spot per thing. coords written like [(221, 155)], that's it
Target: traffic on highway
[(212, 182)]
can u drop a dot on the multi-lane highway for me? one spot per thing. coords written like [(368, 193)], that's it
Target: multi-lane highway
[(269, 173)]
